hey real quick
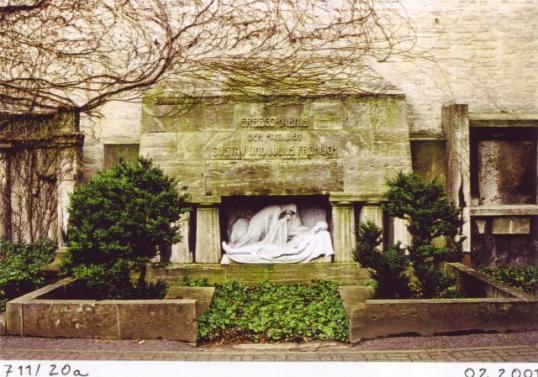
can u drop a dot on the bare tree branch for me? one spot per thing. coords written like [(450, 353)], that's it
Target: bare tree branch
[(59, 55)]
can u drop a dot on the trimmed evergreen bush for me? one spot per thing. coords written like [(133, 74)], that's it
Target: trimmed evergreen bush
[(118, 222), (390, 267), (20, 267), (424, 204)]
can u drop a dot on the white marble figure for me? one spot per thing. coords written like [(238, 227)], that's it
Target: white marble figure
[(275, 235)]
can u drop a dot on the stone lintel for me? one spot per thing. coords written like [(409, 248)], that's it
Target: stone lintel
[(512, 117), (205, 201), (66, 139), (426, 136), (372, 198), (505, 210)]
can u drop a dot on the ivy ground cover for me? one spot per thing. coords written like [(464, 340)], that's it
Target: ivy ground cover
[(275, 312)]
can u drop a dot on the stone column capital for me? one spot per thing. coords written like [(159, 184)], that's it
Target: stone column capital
[(343, 203)]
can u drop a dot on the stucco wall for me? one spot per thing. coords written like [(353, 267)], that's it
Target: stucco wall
[(483, 53), (119, 124)]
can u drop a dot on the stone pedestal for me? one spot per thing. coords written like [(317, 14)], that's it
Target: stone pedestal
[(343, 233), (208, 248), (373, 213)]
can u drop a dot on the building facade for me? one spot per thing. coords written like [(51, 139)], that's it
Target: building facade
[(465, 112)]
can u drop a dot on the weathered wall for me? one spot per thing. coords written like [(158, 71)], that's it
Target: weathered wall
[(468, 51), (429, 159), (39, 160), (119, 124), (482, 53), (282, 146)]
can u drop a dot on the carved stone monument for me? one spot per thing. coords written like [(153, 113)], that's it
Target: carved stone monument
[(276, 235), (253, 169)]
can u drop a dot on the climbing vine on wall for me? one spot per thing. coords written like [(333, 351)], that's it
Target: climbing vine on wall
[(37, 164)]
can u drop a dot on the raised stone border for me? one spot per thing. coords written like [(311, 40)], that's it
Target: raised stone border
[(37, 314), (2, 323), (343, 273), (41, 313), (503, 309)]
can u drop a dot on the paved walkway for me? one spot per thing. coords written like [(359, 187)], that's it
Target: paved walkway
[(513, 347)]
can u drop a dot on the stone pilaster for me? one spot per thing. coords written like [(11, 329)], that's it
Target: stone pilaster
[(401, 234), (181, 252), (343, 233), (208, 248), (5, 195), (66, 186), (373, 213), (455, 121)]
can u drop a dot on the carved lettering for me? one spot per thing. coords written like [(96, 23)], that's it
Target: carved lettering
[(275, 150), (275, 122), (230, 152), (268, 136)]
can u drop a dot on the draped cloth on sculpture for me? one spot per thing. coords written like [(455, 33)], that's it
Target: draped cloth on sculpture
[(275, 235)]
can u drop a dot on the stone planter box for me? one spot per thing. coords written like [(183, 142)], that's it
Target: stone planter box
[(500, 309), (47, 313)]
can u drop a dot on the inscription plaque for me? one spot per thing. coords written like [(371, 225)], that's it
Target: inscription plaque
[(347, 145)]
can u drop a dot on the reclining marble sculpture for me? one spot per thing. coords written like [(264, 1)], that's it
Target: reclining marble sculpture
[(275, 235)]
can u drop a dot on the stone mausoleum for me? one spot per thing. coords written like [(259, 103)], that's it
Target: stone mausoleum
[(462, 109), (328, 155)]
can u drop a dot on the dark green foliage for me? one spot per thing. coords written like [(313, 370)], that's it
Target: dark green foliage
[(390, 266), (525, 278), (425, 205), (426, 261), (118, 222), (187, 281), (20, 267), (447, 287), (272, 312), (430, 214)]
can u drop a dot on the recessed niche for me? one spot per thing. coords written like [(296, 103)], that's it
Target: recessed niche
[(503, 165), (312, 208)]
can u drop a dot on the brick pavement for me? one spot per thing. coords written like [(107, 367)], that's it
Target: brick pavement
[(492, 354), (449, 349)]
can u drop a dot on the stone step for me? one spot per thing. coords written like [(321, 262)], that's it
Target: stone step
[(202, 295), (343, 273), (354, 296)]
